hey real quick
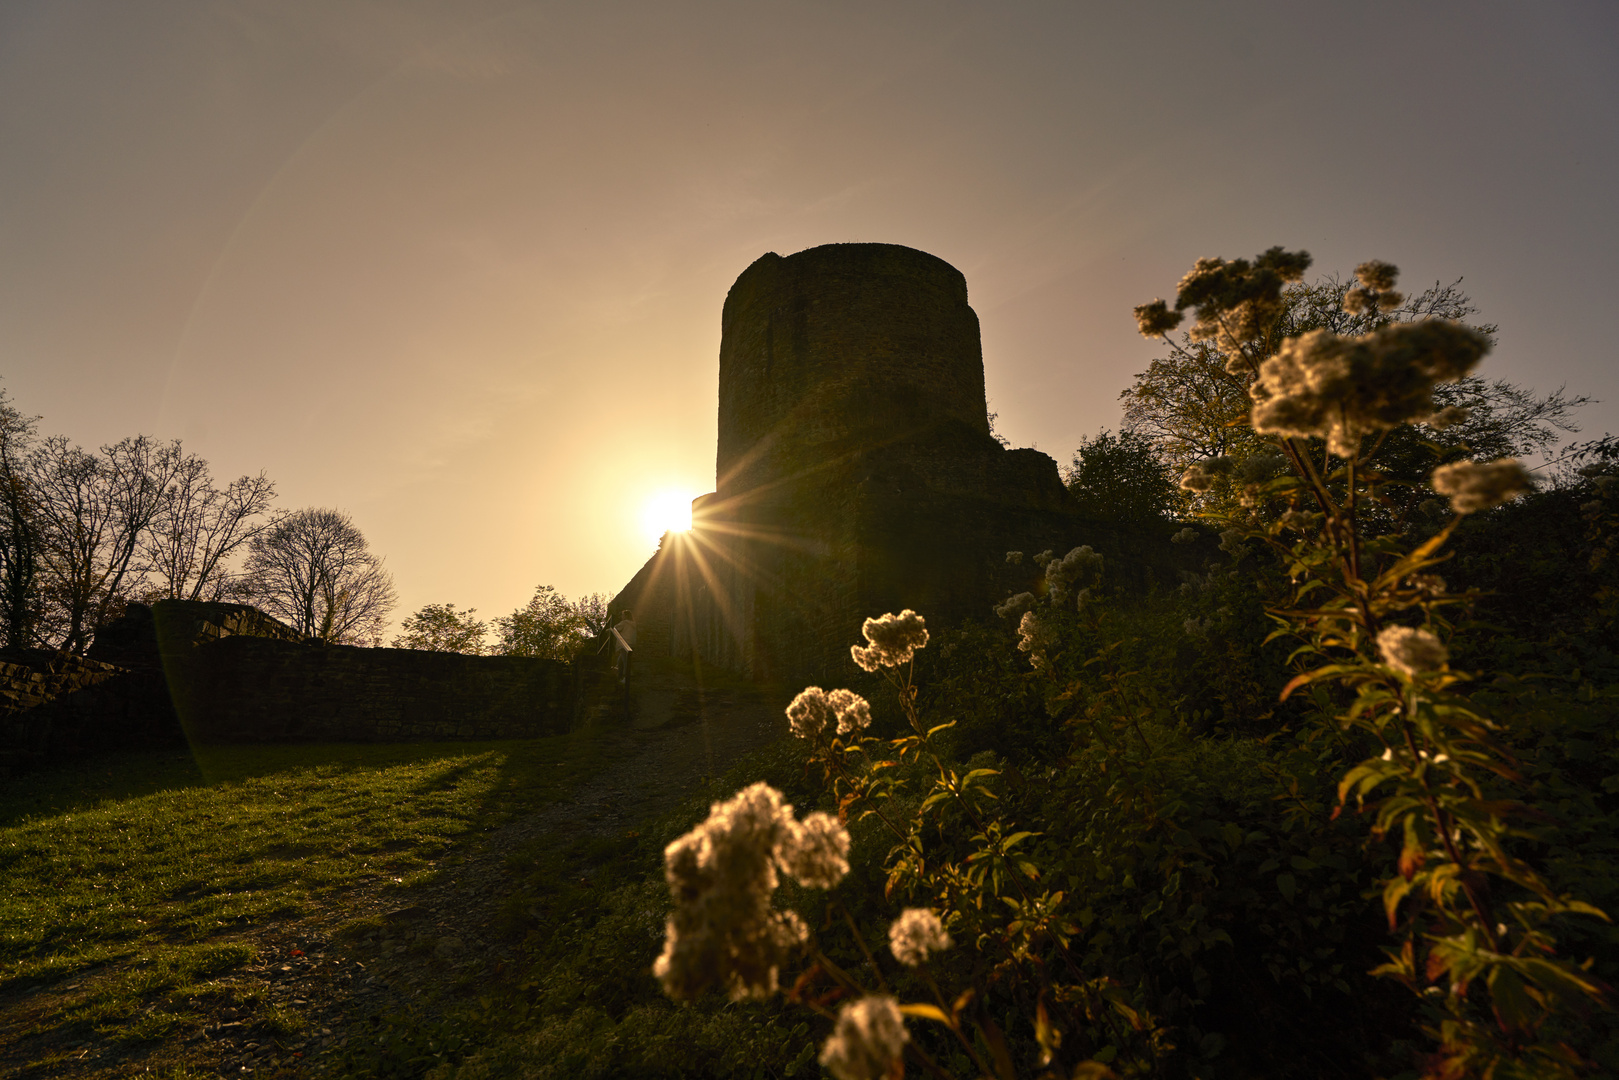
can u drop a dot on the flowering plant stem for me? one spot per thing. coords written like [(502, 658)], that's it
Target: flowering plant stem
[(1433, 781)]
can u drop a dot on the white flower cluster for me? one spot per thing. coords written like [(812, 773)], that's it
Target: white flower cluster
[(1035, 636), (1237, 301), (1428, 584), (893, 640), (1342, 388), (1013, 607), (1064, 573), (818, 854), (1475, 485), (1200, 476), (1187, 535), (916, 935), (1376, 294), (1014, 558), (724, 933), (1155, 319), (813, 709), (1411, 651), (868, 1040), (1448, 417), (1258, 468)]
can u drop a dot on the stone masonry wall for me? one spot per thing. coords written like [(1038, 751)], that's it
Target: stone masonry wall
[(250, 689), (213, 672), (57, 705), (837, 350)]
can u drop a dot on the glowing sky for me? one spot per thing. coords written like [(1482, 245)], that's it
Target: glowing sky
[(456, 267)]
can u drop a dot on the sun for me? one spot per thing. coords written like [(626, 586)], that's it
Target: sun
[(668, 510)]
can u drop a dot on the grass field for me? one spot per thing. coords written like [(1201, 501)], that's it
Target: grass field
[(125, 883)]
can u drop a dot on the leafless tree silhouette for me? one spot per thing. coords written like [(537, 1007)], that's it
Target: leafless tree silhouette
[(314, 570)]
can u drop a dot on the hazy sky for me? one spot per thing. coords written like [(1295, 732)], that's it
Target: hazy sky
[(457, 267)]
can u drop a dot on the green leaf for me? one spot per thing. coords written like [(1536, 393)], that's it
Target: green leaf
[(1286, 886), (1395, 890), (1582, 908), (1557, 976), (1513, 1006)]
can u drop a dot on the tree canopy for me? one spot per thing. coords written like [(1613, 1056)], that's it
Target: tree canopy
[(1193, 403), (1121, 478), (550, 625), (85, 532), (441, 628)]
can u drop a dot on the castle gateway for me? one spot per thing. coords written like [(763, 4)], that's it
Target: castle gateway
[(856, 472)]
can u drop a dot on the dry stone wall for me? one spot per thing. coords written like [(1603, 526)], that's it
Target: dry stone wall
[(212, 672), (249, 689), (56, 705)]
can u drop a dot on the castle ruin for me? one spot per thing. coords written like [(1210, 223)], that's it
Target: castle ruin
[(855, 474)]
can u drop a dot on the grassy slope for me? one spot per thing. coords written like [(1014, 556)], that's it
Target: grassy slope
[(586, 918), (124, 883)]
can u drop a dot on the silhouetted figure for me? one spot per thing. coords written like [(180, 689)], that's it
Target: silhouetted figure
[(623, 635)]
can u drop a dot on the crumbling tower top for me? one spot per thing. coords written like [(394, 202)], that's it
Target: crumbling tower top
[(838, 350)]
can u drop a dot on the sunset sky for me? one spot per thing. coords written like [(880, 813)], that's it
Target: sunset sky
[(457, 267)]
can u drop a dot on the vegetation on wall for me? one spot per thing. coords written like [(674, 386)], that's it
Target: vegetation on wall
[(549, 626)]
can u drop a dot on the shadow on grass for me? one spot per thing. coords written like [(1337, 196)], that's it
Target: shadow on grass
[(528, 765), (529, 769), (121, 875)]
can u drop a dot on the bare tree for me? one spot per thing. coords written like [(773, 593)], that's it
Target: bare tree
[(20, 540), (94, 510), (199, 527), (314, 570)]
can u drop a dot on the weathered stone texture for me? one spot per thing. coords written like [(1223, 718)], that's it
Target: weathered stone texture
[(837, 350), (57, 705)]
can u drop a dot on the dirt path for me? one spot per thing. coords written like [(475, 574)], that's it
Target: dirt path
[(309, 995)]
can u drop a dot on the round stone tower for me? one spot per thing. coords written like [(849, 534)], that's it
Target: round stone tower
[(838, 350)]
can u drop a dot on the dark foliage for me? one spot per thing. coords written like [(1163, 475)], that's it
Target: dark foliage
[(1121, 478)]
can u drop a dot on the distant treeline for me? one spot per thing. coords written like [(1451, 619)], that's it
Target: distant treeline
[(83, 533)]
